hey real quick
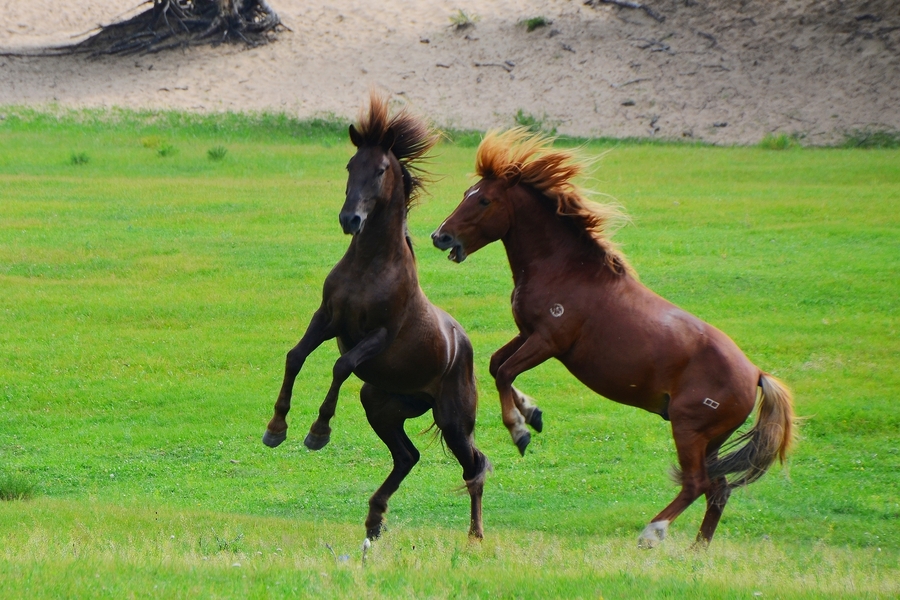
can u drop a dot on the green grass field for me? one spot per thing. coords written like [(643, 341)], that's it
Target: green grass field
[(155, 269)]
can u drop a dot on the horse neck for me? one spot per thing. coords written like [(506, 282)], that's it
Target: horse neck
[(383, 241), (537, 235)]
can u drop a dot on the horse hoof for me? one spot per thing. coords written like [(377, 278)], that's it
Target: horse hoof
[(316, 442), (537, 420), (647, 543), (373, 533), (272, 440), (523, 442), (653, 534)]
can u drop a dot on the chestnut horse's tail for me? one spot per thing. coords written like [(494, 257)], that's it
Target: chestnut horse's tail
[(770, 438)]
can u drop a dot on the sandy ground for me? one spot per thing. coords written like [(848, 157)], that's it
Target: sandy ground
[(726, 72)]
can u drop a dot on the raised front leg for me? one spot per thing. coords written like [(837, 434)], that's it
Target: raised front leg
[(318, 331), (524, 403), (532, 352), (371, 345)]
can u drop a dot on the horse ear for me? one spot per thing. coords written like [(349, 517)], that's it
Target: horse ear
[(387, 142), (355, 137)]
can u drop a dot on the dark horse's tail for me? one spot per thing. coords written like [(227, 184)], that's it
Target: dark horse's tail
[(770, 438)]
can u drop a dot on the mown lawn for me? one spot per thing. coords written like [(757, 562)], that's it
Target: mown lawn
[(148, 294)]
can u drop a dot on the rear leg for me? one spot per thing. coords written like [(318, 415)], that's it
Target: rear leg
[(691, 448), (386, 414), (716, 497), (454, 414)]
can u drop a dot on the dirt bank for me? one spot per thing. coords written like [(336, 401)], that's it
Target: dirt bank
[(726, 72)]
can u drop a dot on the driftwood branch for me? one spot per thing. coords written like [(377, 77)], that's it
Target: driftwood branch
[(177, 23), (628, 4)]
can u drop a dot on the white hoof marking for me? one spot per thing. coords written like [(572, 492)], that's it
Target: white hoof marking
[(653, 534)]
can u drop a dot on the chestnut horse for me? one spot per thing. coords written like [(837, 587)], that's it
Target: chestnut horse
[(411, 355), (576, 299)]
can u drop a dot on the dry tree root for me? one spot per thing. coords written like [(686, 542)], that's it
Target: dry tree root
[(179, 23)]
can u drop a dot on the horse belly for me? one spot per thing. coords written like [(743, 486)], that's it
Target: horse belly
[(629, 386), (404, 368)]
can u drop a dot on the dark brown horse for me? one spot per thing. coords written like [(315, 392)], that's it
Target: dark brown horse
[(576, 299), (411, 355)]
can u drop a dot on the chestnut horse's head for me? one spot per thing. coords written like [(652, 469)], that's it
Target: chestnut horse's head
[(386, 148), (481, 218), (508, 163)]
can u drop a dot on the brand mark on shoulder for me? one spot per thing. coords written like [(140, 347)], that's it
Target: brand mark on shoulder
[(557, 310)]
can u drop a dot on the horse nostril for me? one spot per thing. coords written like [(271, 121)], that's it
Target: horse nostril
[(350, 223), (442, 240)]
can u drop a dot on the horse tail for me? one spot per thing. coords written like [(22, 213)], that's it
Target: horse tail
[(770, 437)]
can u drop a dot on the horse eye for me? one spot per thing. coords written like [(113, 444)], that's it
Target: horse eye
[(380, 172), (483, 201)]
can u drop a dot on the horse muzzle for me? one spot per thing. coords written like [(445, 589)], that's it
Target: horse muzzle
[(445, 241), (351, 222)]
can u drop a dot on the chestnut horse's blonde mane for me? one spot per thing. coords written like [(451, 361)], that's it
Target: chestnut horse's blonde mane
[(413, 137), (520, 156)]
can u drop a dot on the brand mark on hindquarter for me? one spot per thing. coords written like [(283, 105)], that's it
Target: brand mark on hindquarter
[(711, 403), (557, 310)]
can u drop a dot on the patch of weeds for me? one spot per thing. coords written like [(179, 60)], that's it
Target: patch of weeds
[(151, 142), (867, 138), (15, 487), (79, 158), (532, 123), (781, 141), (464, 138), (462, 20), (535, 23), (221, 544), (166, 150), (217, 153)]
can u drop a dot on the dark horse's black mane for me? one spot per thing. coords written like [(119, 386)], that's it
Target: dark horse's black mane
[(413, 138)]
